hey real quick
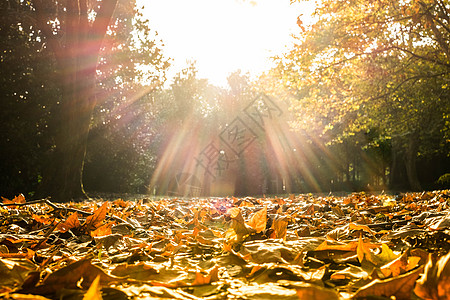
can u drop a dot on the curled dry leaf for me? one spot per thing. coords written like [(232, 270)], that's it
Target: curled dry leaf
[(239, 226), (279, 227), (435, 282), (103, 230), (96, 219), (94, 292), (69, 276), (401, 287), (259, 220), (212, 276), (70, 223)]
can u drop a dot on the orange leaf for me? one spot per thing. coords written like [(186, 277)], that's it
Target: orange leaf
[(102, 230), (97, 218), (121, 203), (71, 222), (28, 255), (401, 286), (363, 251), (259, 220), (313, 292), (353, 226), (400, 265), (280, 228), (19, 199), (351, 246), (6, 201), (44, 219), (207, 279), (435, 282), (94, 292), (234, 212)]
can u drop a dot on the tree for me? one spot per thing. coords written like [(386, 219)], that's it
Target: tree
[(74, 33), (125, 131), (27, 91), (367, 65)]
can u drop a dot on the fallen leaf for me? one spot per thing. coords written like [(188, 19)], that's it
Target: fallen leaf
[(353, 226), (69, 276), (96, 219), (238, 224), (364, 252), (212, 276), (312, 292), (94, 292), (279, 227), (103, 230), (70, 223), (400, 265), (329, 245), (401, 286), (435, 281), (19, 199), (258, 220)]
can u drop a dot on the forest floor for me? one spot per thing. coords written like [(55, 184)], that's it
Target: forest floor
[(358, 246)]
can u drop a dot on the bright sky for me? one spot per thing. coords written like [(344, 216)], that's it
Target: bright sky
[(223, 36)]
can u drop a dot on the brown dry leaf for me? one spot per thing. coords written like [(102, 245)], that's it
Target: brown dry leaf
[(401, 286), (96, 219), (213, 275), (26, 297), (400, 265), (279, 227), (234, 212), (238, 224), (387, 255), (351, 272), (353, 226), (313, 292), (71, 222), (103, 230), (351, 246), (14, 272), (43, 219), (259, 220), (435, 282), (71, 274), (140, 271), (121, 203), (146, 272), (28, 254), (19, 199), (364, 252), (94, 292)]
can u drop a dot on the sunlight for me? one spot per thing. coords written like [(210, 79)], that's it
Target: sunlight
[(225, 36)]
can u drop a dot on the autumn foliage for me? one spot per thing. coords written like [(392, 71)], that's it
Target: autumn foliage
[(359, 246)]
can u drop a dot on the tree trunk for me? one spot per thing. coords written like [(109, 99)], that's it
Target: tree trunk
[(397, 173), (77, 64), (410, 161)]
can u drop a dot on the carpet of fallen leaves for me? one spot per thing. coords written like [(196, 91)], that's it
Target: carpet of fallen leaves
[(360, 246)]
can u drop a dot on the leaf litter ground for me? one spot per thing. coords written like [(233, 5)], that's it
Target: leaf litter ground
[(360, 246)]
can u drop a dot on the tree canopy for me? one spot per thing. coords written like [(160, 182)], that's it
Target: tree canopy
[(375, 67)]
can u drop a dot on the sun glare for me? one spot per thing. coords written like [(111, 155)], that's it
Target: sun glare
[(224, 36)]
